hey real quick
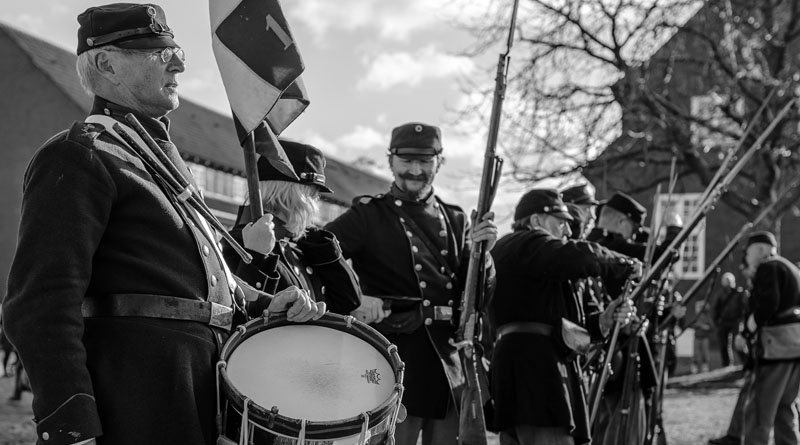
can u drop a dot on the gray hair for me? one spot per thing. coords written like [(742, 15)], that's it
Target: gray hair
[(297, 203), (87, 69)]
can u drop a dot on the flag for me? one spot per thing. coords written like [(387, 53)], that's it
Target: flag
[(260, 67)]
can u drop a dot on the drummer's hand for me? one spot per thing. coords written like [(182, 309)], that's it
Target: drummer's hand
[(260, 235), (485, 230), (298, 305), (371, 310)]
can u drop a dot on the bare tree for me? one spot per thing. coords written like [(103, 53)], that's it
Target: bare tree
[(606, 86)]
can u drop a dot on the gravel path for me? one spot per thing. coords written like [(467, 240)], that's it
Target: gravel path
[(692, 415)]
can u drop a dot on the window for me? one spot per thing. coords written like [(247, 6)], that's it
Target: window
[(691, 265), (219, 184)]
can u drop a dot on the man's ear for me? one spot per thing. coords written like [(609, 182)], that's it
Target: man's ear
[(104, 63), (440, 163)]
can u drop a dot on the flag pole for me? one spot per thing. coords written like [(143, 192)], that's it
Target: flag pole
[(251, 174)]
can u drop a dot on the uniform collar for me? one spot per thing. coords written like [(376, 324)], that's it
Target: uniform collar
[(158, 128), (402, 195)]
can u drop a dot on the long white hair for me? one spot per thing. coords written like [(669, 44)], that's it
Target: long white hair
[(296, 204)]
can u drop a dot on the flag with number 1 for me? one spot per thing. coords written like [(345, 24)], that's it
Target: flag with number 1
[(260, 67)]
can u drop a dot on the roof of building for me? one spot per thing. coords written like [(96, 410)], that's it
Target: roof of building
[(202, 135)]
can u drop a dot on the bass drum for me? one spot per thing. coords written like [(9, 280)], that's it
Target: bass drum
[(333, 381)]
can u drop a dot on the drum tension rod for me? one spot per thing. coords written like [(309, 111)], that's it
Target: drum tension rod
[(273, 413)]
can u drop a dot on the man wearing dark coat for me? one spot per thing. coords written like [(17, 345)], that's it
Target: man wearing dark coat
[(772, 396), (304, 256), (536, 385), (118, 298), (410, 249), (621, 218)]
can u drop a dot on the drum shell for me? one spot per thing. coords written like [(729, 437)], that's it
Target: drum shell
[(278, 425)]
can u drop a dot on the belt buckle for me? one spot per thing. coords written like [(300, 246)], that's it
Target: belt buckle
[(221, 316), (442, 313)]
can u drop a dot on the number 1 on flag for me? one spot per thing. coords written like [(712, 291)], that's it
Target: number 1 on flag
[(274, 26)]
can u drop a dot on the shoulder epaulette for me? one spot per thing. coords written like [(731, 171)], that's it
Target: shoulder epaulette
[(83, 131), (366, 199)]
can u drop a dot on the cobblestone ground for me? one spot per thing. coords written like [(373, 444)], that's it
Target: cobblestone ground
[(692, 415)]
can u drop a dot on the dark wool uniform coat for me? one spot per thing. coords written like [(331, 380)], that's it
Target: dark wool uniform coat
[(533, 382), (94, 223), (314, 263), (383, 236)]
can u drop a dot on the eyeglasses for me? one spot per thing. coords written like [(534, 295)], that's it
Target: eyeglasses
[(166, 54)]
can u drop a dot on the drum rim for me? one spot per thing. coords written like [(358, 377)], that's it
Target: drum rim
[(290, 426)]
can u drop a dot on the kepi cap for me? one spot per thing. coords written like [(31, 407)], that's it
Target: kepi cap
[(579, 194), (762, 236), (125, 25), (547, 201), (628, 207), (416, 139), (307, 161)]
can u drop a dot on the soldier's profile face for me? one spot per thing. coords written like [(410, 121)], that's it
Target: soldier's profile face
[(149, 82), (414, 174)]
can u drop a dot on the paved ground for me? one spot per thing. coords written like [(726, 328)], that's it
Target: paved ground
[(696, 408)]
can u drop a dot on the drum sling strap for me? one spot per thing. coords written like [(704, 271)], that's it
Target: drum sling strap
[(215, 313)]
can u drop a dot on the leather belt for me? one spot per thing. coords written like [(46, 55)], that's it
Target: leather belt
[(158, 306), (524, 327)]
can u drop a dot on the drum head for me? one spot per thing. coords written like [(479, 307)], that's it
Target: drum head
[(315, 373)]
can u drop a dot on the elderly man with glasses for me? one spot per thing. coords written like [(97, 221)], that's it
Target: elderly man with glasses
[(118, 298)]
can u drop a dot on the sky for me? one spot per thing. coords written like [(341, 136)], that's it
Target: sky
[(371, 65)]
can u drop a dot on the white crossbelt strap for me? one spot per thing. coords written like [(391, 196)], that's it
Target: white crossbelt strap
[(108, 125)]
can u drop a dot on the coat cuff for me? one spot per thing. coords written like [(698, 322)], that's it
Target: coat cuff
[(74, 421), (320, 247), (261, 273)]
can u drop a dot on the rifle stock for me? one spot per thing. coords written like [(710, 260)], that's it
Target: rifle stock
[(472, 424)]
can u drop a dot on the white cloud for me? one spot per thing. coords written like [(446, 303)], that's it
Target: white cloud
[(388, 70), (363, 139), (395, 21), (31, 23)]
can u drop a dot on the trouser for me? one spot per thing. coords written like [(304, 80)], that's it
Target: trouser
[(534, 435), (771, 401), (434, 431), (736, 426), (702, 350), (725, 335)]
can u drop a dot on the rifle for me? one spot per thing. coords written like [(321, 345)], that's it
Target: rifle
[(472, 424), (712, 268)]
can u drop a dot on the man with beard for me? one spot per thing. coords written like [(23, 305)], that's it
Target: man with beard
[(542, 326), (411, 249), (304, 256)]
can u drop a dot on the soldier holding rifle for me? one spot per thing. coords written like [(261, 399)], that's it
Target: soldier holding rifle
[(620, 219), (410, 249), (118, 298), (541, 324)]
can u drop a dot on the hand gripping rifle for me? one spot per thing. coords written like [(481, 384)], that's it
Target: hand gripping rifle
[(472, 424)]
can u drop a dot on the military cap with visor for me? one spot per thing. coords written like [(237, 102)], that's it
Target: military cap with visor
[(628, 207), (124, 25), (581, 194), (542, 201), (762, 237), (416, 139), (307, 161)]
